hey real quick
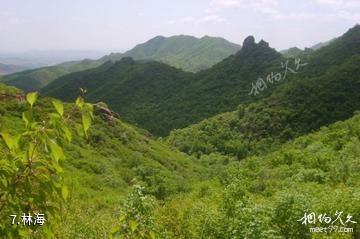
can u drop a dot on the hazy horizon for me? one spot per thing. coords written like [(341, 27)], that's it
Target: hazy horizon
[(116, 26)]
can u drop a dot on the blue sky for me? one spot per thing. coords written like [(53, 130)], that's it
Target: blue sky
[(113, 25)]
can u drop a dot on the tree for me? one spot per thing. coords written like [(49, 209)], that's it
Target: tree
[(136, 219), (30, 166)]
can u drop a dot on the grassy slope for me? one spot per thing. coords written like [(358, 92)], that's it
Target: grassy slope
[(100, 171)]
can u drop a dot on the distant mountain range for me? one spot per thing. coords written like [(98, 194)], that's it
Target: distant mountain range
[(184, 52), (160, 98), (32, 80), (297, 52), (322, 44), (8, 69), (242, 166), (40, 58), (292, 52)]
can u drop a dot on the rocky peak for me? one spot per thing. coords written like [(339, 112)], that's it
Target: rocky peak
[(263, 43), (249, 42)]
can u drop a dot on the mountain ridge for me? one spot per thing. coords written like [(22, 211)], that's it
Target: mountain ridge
[(6, 69), (230, 78), (181, 51), (319, 95), (186, 52)]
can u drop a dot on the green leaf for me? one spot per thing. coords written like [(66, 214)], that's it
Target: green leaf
[(31, 98), (122, 219), (114, 230), (58, 106), (11, 142), (86, 121), (27, 116), (152, 234), (79, 102), (79, 130), (89, 108), (133, 225), (31, 151), (64, 192), (56, 151), (67, 133), (8, 140), (4, 182), (57, 168)]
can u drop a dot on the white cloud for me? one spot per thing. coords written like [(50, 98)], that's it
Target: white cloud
[(227, 3), (188, 19), (302, 16), (330, 2), (205, 19), (267, 2), (268, 10), (340, 3), (218, 5), (268, 7), (171, 22), (348, 16), (343, 9), (296, 16), (212, 19)]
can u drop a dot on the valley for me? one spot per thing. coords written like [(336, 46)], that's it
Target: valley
[(183, 136)]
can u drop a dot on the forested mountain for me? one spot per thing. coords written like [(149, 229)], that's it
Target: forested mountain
[(219, 89), (195, 198), (35, 79), (100, 170), (160, 98), (114, 124), (324, 92), (8, 69), (267, 196), (270, 142), (321, 44), (292, 52), (132, 89), (297, 52), (185, 52)]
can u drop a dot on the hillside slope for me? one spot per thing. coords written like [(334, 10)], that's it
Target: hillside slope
[(35, 79), (160, 98), (245, 77), (325, 92), (268, 196), (6, 69), (100, 171)]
